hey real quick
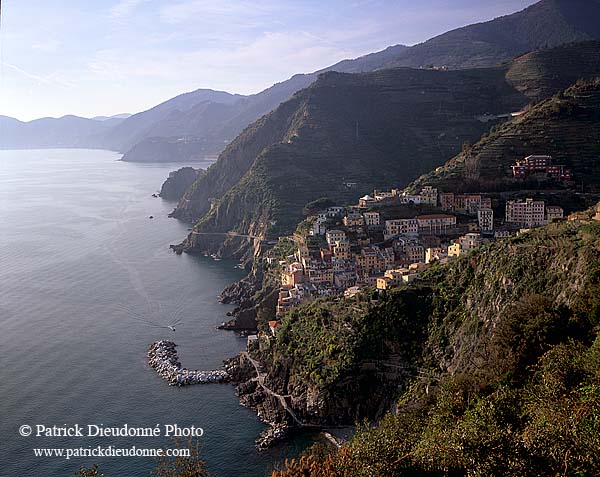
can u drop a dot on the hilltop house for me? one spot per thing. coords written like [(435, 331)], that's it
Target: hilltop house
[(536, 164)]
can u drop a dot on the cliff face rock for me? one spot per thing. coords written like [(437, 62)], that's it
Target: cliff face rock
[(178, 182), (256, 297), (234, 162), (373, 130), (566, 126)]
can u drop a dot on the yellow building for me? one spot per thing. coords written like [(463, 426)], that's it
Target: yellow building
[(341, 250), (454, 250)]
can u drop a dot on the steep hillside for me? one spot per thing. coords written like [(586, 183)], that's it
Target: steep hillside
[(566, 126), (491, 363), (547, 23), (372, 129), (209, 127), (542, 73), (209, 120)]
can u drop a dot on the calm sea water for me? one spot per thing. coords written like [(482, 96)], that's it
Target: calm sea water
[(84, 275)]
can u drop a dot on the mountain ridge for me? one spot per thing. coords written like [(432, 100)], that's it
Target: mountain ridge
[(489, 43)]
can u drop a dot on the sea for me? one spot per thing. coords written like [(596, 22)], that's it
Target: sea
[(87, 282)]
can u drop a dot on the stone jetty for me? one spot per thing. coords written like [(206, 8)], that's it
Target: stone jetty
[(162, 356)]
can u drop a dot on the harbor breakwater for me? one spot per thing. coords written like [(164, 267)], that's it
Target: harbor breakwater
[(162, 356)]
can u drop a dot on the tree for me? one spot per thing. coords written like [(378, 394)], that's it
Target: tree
[(192, 466)]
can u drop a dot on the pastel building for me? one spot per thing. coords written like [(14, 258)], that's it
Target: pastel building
[(485, 220), (401, 227), (372, 219), (435, 223), (333, 236), (526, 213)]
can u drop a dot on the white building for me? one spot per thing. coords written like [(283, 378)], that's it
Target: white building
[(410, 199), (366, 201), (319, 227), (485, 219), (526, 213)]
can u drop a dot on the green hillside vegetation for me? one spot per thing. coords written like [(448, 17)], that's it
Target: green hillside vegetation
[(566, 126), (374, 129), (501, 352)]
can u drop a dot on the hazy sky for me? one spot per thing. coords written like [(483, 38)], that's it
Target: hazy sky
[(101, 57)]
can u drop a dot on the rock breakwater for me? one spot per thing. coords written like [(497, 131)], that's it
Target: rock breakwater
[(162, 356)]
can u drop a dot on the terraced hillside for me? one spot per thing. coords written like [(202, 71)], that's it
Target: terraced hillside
[(566, 126), (372, 129), (542, 73)]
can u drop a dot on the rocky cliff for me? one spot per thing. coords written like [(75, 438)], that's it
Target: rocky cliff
[(178, 182)]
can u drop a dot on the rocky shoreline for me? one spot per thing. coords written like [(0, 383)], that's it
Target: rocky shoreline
[(179, 181), (266, 407)]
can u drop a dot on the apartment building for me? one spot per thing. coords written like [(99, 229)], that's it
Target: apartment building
[(526, 213), (485, 220), (400, 227)]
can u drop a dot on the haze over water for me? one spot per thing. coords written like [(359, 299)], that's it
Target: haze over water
[(79, 259)]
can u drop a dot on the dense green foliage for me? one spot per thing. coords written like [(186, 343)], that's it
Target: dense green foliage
[(507, 347)]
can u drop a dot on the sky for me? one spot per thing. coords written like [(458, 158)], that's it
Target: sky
[(103, 57)]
